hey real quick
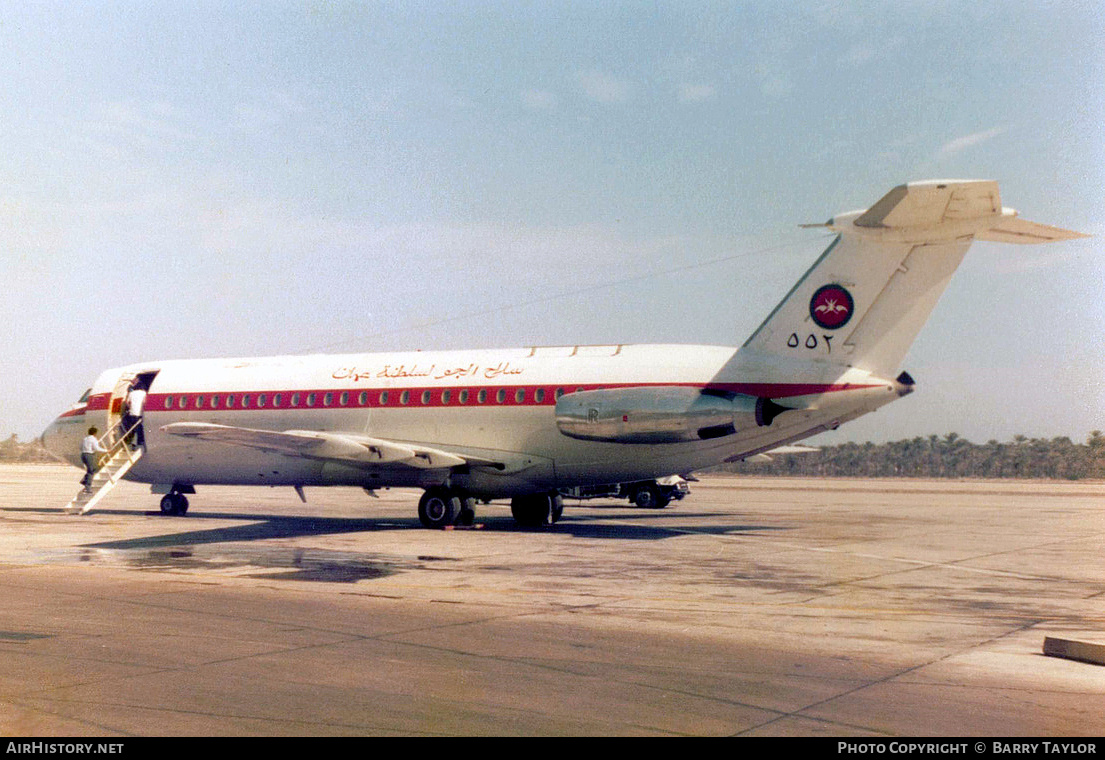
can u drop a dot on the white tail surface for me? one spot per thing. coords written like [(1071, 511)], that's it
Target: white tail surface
[(868, 295)]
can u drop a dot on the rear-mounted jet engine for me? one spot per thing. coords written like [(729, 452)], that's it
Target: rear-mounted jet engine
[(660, 414)]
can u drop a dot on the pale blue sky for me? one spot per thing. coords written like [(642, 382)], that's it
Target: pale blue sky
[(214, 179)]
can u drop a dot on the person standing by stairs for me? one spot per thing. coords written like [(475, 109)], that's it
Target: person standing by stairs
[(136, 399), (91, 448)]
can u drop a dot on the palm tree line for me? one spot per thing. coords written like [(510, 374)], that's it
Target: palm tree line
[(948, 456)]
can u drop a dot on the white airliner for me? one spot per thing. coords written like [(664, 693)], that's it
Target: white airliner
[(523, 423)]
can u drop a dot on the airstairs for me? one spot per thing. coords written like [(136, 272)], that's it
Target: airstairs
[(114, 464)]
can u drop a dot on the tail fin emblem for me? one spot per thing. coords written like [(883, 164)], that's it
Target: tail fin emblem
[(831, 306)]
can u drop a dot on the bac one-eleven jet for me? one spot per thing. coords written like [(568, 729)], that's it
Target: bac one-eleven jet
[(523, 423)]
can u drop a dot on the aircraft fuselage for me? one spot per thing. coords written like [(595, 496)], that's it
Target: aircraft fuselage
[(494, 405)]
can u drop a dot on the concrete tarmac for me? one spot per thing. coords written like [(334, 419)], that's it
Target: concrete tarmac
[(755, 607)]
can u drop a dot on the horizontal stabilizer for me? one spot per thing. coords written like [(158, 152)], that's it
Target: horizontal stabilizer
[(1017, 230), (928, 204)]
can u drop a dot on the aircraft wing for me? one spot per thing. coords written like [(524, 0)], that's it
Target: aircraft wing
[(311, 444), (792, 449)]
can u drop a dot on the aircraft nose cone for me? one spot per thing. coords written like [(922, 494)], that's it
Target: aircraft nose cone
[(46, 438), (50, 440)]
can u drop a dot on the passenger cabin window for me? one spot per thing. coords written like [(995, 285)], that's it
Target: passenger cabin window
[(362, 399), (425, 397), (539, 395), (343, 399), (383, 398)]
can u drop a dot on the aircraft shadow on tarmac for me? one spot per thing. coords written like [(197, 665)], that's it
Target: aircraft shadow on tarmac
[(260, 527)]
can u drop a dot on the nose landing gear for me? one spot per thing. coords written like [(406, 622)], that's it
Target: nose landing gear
[(174, 503)]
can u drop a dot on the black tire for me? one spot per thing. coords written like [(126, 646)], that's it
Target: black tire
[(649, 496), (467, 514), (557, 508), (174, 504), (532, 510), (438, 508)]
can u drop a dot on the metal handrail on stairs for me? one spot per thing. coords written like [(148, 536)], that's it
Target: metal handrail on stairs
[(85, 500), (119, 442)]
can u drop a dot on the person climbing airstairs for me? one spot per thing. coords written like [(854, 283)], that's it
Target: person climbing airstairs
[(114, 464)]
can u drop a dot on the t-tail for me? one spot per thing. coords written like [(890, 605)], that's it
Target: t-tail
[(865, 299)]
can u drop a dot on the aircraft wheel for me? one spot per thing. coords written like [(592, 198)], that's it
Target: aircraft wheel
[(557, 508), (648, 496), (533, 510), (174, 504), (467, 514), (438, 508)]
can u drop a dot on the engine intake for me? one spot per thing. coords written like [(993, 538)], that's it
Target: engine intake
[(659, 414)]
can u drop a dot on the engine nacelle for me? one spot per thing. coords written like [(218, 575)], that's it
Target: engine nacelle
[(659, 414)]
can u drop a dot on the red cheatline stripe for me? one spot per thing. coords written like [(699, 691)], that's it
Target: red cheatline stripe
[(423, 396)]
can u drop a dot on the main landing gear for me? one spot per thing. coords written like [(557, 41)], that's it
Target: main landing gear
[(536, 510), (441, 507)]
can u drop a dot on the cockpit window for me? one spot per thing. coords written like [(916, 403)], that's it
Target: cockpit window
[(84, 397)]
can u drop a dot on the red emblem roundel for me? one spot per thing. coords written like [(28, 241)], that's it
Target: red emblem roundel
[(831, 306)]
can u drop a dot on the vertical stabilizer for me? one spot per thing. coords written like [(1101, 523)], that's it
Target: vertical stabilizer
[(868, 295)]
